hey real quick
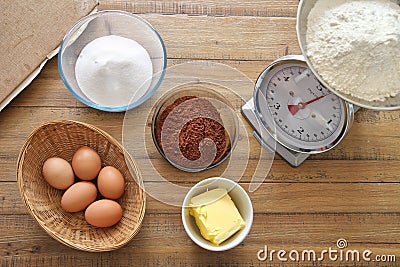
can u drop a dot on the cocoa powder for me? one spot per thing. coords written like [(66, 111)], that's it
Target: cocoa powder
[(197, 127)]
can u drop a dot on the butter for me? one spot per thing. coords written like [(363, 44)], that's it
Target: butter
[(216, 215)]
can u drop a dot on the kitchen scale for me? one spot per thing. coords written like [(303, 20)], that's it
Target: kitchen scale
[(294, 114)]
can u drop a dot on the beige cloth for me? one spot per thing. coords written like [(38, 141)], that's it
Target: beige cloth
[(29, 31)]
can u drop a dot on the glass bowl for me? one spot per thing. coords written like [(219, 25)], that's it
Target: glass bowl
[(206, 115), (305, 7), (105, 23)]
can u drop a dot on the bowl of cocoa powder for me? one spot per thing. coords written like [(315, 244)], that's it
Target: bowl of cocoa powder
[(194, 127)]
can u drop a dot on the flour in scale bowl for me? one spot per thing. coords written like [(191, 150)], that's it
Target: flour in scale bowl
[(355, 46)]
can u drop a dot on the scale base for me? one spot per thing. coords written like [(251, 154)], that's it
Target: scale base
[(265, 139)]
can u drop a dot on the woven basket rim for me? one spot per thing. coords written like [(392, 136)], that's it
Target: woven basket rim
[(128, 158)]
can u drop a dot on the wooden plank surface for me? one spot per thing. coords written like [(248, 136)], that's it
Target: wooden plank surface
[(256, 8), (277, 198), (314, 231), (350, 192)]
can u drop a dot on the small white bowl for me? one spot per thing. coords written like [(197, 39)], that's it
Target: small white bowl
[(239, 197)]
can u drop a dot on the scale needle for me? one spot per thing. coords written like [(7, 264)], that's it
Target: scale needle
[(295, 108)]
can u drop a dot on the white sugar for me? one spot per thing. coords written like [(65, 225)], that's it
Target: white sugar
[(113, 71)]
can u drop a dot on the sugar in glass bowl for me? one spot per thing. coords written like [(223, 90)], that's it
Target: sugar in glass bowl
[(112, 23)]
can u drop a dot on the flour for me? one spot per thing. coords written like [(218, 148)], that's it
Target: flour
[(355, 46), (112, 71)]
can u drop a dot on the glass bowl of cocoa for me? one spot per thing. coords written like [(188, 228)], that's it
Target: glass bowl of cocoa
[(194, 127)]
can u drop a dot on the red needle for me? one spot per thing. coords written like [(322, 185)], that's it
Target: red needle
[(295, 108)]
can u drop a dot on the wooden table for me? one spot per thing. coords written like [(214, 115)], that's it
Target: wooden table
[(350, 192)]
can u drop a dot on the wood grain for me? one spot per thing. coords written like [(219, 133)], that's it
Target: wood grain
[(268, 39), (350, 192), (256, 8), (285, 198), (314, 231)]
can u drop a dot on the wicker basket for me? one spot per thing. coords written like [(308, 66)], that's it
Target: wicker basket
[(62, 139)]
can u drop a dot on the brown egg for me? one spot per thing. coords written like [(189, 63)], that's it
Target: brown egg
[(86, 163), (79, 196), (103, 213), (58, 173), (111, 183)]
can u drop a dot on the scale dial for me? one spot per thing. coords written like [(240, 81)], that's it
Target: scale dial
[(297, 110)]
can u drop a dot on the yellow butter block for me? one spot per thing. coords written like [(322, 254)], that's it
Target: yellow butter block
[(216, 215)]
